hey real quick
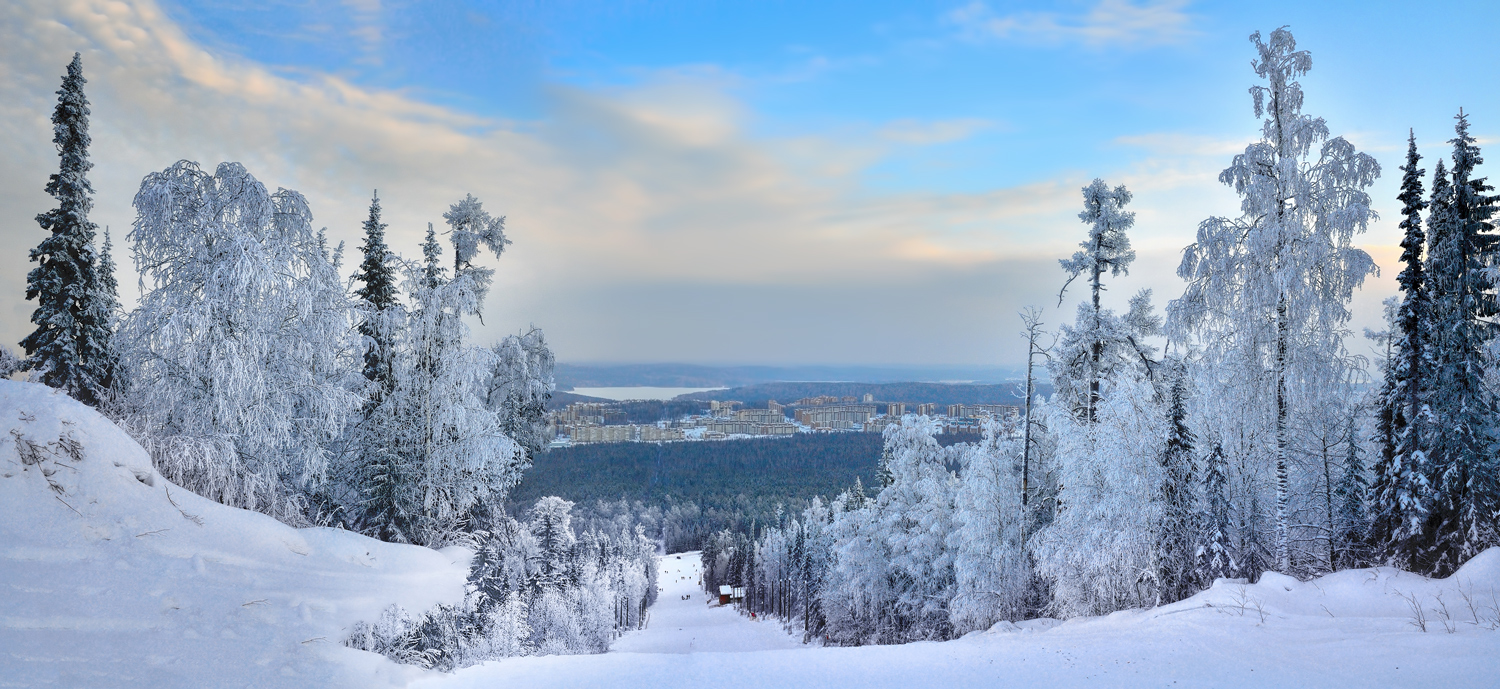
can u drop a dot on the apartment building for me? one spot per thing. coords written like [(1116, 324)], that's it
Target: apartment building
[(841, 417)]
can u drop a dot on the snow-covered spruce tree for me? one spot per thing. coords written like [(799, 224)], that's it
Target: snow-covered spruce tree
[(241, 353), (1466, 490), (1351, 524), (1215, 552), (992, 570), (601, 585), (520, 385), (1268, 292), (1099, 552), (378, 475), (72, 347), (1399, 491), (1177, 533), (1107, 249), (551, 526), (378, 293)]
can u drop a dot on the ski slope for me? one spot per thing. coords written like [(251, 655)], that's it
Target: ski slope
[(694, 625), (1349, 629)]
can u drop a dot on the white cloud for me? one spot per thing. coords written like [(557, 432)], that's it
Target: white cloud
[(1110, 22), (649, 224)]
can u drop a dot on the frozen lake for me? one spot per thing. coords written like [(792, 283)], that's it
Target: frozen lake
[(638, 393)]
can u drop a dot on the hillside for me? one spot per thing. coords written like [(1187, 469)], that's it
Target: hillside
[(116, 577)]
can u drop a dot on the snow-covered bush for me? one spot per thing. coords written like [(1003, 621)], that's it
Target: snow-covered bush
[(534, 588)]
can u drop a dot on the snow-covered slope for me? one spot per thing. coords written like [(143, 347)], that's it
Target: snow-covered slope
[(1349, 629), (687, 620), (111, 576)]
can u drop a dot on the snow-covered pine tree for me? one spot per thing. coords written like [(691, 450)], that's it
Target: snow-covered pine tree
[(241, 356), (72, 347), (1463, 466), (1215, 554), (1178, 529), (1268, 292), (1399, 491), (1106, 250)]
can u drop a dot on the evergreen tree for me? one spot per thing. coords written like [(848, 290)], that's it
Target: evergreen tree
[(72, 347), (1174, 541), (1465, 495), (1352, 521), (1400, 481), (1216, 553), (379, 293)]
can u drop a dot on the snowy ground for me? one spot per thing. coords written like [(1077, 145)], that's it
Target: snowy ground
[(695, 626), (110, 576), (1351, 629)]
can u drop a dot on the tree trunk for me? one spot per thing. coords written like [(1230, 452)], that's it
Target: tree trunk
[(1283, 538)]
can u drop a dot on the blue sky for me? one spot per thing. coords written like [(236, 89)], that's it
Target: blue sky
[(741, 182), (1042, 100)]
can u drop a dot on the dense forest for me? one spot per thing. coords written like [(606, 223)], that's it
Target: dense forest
[(790, 470)]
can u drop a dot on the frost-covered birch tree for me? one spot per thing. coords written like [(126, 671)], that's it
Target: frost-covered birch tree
[(453, 449), (1268, 291), (241, 353), (992, 570), (1099, 551)]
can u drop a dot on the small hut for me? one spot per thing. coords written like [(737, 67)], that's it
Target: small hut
[(725, 593)]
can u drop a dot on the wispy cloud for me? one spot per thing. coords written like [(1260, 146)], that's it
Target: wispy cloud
[(650, 222), (368, 27), (1108, 23), (922, 133), (613, 191)]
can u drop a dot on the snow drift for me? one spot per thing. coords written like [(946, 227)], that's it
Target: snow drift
[(113, 576)]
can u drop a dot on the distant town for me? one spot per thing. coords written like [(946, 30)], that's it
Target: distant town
[(582, 423)]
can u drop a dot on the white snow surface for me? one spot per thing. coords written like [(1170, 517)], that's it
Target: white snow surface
[(105, 582), (698, 624), (1349, 629)]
